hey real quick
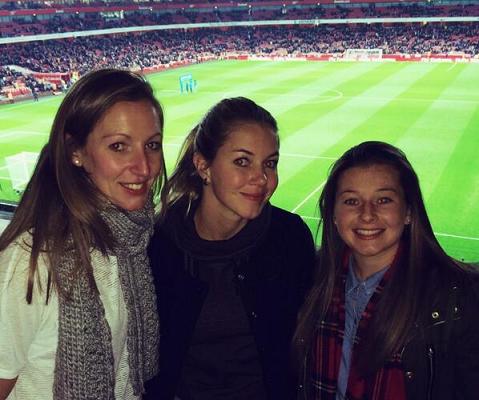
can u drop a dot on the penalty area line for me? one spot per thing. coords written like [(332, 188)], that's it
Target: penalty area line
[(308, 197)]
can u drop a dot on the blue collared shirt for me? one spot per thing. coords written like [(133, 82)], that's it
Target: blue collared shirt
[(357, 296)]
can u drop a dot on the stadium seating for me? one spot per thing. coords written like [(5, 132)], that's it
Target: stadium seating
[(57, 18), (165, 48)]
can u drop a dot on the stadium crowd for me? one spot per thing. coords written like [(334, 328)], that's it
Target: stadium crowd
[(167, 47), (418, 8), (22, 83), (67, 22)]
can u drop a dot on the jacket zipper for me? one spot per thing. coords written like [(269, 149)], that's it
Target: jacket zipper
[(302, 384), (430, 356)]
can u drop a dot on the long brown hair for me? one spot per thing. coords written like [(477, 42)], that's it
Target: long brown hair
[(60, 204), (400, 305), (206, 138)]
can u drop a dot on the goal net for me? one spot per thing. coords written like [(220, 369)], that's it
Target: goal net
[(20, 167)]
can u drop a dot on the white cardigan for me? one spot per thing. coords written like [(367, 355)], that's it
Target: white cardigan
[(29, 332)]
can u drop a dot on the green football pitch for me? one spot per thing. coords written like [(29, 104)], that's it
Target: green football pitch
[(431, 111)]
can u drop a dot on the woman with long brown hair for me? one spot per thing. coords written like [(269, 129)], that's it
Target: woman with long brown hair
[(78, 313), (391, 316)]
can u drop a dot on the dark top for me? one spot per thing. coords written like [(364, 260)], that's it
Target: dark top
[(441, 359), (267, 267), (222, 361)]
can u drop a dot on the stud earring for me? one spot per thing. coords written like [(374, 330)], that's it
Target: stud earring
[(76, 161), (205, 181)]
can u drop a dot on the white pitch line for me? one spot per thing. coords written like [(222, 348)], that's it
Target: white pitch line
[(308, 197), (323, 99), (451, 67), (455, 236)]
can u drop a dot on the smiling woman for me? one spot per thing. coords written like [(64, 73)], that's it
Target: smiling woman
[(230, 269), (238, 182), (122, 154), (370, 214), (78, 315), (390, 315)]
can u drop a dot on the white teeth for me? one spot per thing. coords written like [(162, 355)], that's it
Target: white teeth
[(368, 232), (133, 186)]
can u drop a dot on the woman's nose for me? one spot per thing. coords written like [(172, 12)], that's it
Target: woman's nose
[(368, 212), (141, 164)]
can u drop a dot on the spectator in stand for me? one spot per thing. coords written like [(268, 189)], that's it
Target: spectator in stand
[(390, 315), (78, 316)]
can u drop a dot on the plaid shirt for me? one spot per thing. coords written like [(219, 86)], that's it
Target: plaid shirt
[(388, 382)]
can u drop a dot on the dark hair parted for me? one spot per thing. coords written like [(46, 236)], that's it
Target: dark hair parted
[(60, 204), (207, 137), (400, 304)]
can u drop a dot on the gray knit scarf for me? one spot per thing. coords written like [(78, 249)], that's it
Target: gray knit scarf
[(84, 365)]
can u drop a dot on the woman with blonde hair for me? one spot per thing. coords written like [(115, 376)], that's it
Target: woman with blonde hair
[(230, 269)]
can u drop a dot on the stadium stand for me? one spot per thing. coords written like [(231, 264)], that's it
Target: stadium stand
[(113, 34), (49, 17)]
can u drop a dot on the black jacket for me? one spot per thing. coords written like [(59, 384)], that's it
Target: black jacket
[(441, 361), (272, 285)]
